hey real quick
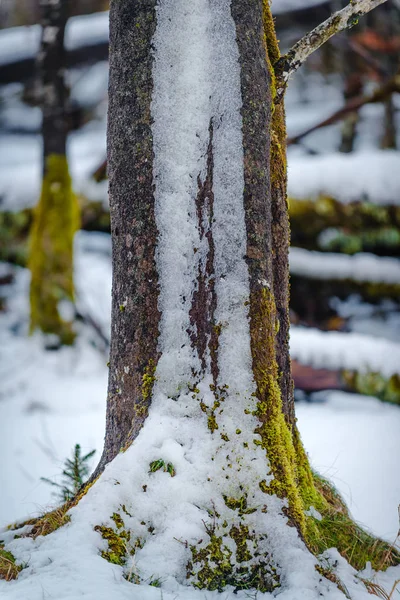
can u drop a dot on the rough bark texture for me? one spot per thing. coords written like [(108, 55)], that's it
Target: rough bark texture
[(265, 194), (280, 229), (135, 315)]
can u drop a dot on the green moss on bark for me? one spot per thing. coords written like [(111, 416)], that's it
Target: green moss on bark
[(275, 433), (51, 251)]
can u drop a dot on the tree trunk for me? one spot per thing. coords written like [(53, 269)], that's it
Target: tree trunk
[(56, 216), (212, 487), (197, 169)]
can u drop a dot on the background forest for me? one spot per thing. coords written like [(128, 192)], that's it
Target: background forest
[(344, 197)]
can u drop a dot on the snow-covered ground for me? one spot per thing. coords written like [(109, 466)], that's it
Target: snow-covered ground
[(52, 400)]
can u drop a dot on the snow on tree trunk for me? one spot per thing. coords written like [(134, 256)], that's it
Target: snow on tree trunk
[(56, 216), (197, 342), (203, 480)]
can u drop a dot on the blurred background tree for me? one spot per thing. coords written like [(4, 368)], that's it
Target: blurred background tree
[(56, 215)]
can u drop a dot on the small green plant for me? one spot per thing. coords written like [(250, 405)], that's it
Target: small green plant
[(156, 465), (75, 474)]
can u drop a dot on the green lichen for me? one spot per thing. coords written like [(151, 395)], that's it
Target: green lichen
[(51, 251), (8, 568)]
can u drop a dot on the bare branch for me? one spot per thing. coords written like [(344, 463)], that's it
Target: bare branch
[(342, 19), (353, 105)]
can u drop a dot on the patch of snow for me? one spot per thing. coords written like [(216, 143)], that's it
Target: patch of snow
[(368, 176), (352, 351), (21, 166), (197, 87), (312, 512), (353, 441), (362, 267)]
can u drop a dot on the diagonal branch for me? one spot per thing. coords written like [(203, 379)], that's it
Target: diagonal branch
[(353, 105), (342, 19)]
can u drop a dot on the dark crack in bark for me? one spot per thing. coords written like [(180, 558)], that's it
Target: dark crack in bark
[(204, 332)]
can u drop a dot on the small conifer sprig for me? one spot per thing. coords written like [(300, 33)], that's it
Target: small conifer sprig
[(75, 473)]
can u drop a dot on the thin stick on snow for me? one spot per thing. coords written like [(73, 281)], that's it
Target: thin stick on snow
[(342, 19)]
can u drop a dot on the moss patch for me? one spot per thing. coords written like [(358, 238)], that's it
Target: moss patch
[(276, 437), (148, 380), (212, 566), (117, 544), (53, 520), (50, 522), (51, 248), (336, 529), (8, 569)]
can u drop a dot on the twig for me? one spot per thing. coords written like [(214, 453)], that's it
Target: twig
[(342, 19), (353, 105)]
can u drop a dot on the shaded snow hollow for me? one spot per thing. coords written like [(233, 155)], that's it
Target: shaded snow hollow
[(196, 82)]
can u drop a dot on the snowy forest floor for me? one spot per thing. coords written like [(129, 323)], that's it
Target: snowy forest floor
[(51, 400)]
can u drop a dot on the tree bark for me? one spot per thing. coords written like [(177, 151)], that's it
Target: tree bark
[(56, 216), (135, 315), (197, 168)]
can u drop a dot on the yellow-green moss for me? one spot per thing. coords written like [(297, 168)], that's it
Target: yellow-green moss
[(51, 250), (213, 568), (278, 163), (239, 504), (276, 437), (117, 544), (8, 569), (336, 529), (53, 520), (148, 380)]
